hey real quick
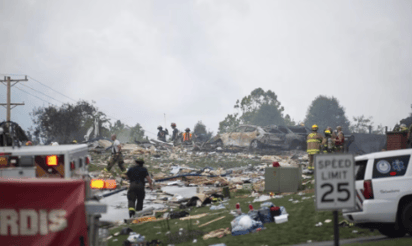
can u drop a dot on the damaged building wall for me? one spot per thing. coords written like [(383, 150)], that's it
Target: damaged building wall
[(367, 143)]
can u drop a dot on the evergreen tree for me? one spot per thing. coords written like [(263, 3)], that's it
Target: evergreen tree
[(326, 112)]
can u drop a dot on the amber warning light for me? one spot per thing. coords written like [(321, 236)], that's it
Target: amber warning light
[(3, 161), (52, 160), (103, 184)]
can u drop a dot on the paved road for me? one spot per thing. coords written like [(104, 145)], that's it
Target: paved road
[(347, 241)]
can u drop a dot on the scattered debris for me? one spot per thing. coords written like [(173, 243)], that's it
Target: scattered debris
[(219, 233)]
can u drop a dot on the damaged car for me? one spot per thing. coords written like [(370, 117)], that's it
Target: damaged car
[(256, 137)]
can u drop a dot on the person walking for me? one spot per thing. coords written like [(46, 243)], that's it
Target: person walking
[(314, 141), (136, 193), (116, 155)]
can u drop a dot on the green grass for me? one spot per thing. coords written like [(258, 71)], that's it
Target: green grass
[(299, 229)]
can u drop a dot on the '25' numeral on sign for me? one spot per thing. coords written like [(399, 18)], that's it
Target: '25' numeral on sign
[(340, 189)]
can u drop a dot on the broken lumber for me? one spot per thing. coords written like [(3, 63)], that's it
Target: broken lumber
[(198, 216), (207, 223)]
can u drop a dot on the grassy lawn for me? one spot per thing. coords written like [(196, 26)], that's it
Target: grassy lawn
[(299, 229)]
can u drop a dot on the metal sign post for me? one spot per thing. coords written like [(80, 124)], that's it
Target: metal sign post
[(335, 185)]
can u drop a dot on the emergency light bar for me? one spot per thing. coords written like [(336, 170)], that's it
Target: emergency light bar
[(103, 184)]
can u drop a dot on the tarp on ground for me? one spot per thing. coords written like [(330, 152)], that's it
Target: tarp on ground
[(367, 143)]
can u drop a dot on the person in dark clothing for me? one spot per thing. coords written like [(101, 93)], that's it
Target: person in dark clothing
[(136, 193), (161, 135), (175, 132)]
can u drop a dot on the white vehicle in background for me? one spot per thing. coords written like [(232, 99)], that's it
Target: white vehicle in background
[(383, 192)]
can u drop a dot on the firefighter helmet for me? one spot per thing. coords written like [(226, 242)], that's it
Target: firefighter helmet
[(187, 129), (159, 127), (327, 132), (339, 128), (173, 124), (315, 127), (28, 143)]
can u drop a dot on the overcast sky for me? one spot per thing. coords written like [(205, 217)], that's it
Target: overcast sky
[(192, 60)]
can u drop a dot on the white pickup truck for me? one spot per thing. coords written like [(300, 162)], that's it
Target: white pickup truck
[(383, 192)]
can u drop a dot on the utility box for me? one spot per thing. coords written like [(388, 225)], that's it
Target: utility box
[(18, 172), (283, 179), (396, 140)]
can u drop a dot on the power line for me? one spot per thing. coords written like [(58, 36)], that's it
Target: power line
[(34, 96), (42, 93), (50, 96), (62, 94), (50, 88)]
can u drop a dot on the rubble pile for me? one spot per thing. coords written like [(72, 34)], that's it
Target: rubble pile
[(219, 169), (185, 178)]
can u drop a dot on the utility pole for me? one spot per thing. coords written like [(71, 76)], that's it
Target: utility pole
[(7, 81)]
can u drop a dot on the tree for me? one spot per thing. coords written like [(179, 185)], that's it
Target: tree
[(117, 127), (229, 123), (259, 108), (121, 130), (200, 131), (289, 121), (62, 124), (326, 112), (408, 120), (126, 133), (362, 125), (136, 133)]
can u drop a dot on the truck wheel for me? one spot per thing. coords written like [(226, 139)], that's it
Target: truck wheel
[(254, 144), (406, 218), (389, 231)]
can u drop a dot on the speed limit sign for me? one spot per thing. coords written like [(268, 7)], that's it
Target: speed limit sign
[(334, 181)]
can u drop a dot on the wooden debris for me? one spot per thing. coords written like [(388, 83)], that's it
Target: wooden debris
[(207, 223), (198, 216)]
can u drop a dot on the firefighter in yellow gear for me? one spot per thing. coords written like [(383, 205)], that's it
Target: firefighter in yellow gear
[(328, 143), (331, 132), (314, 141), (187, 136)]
